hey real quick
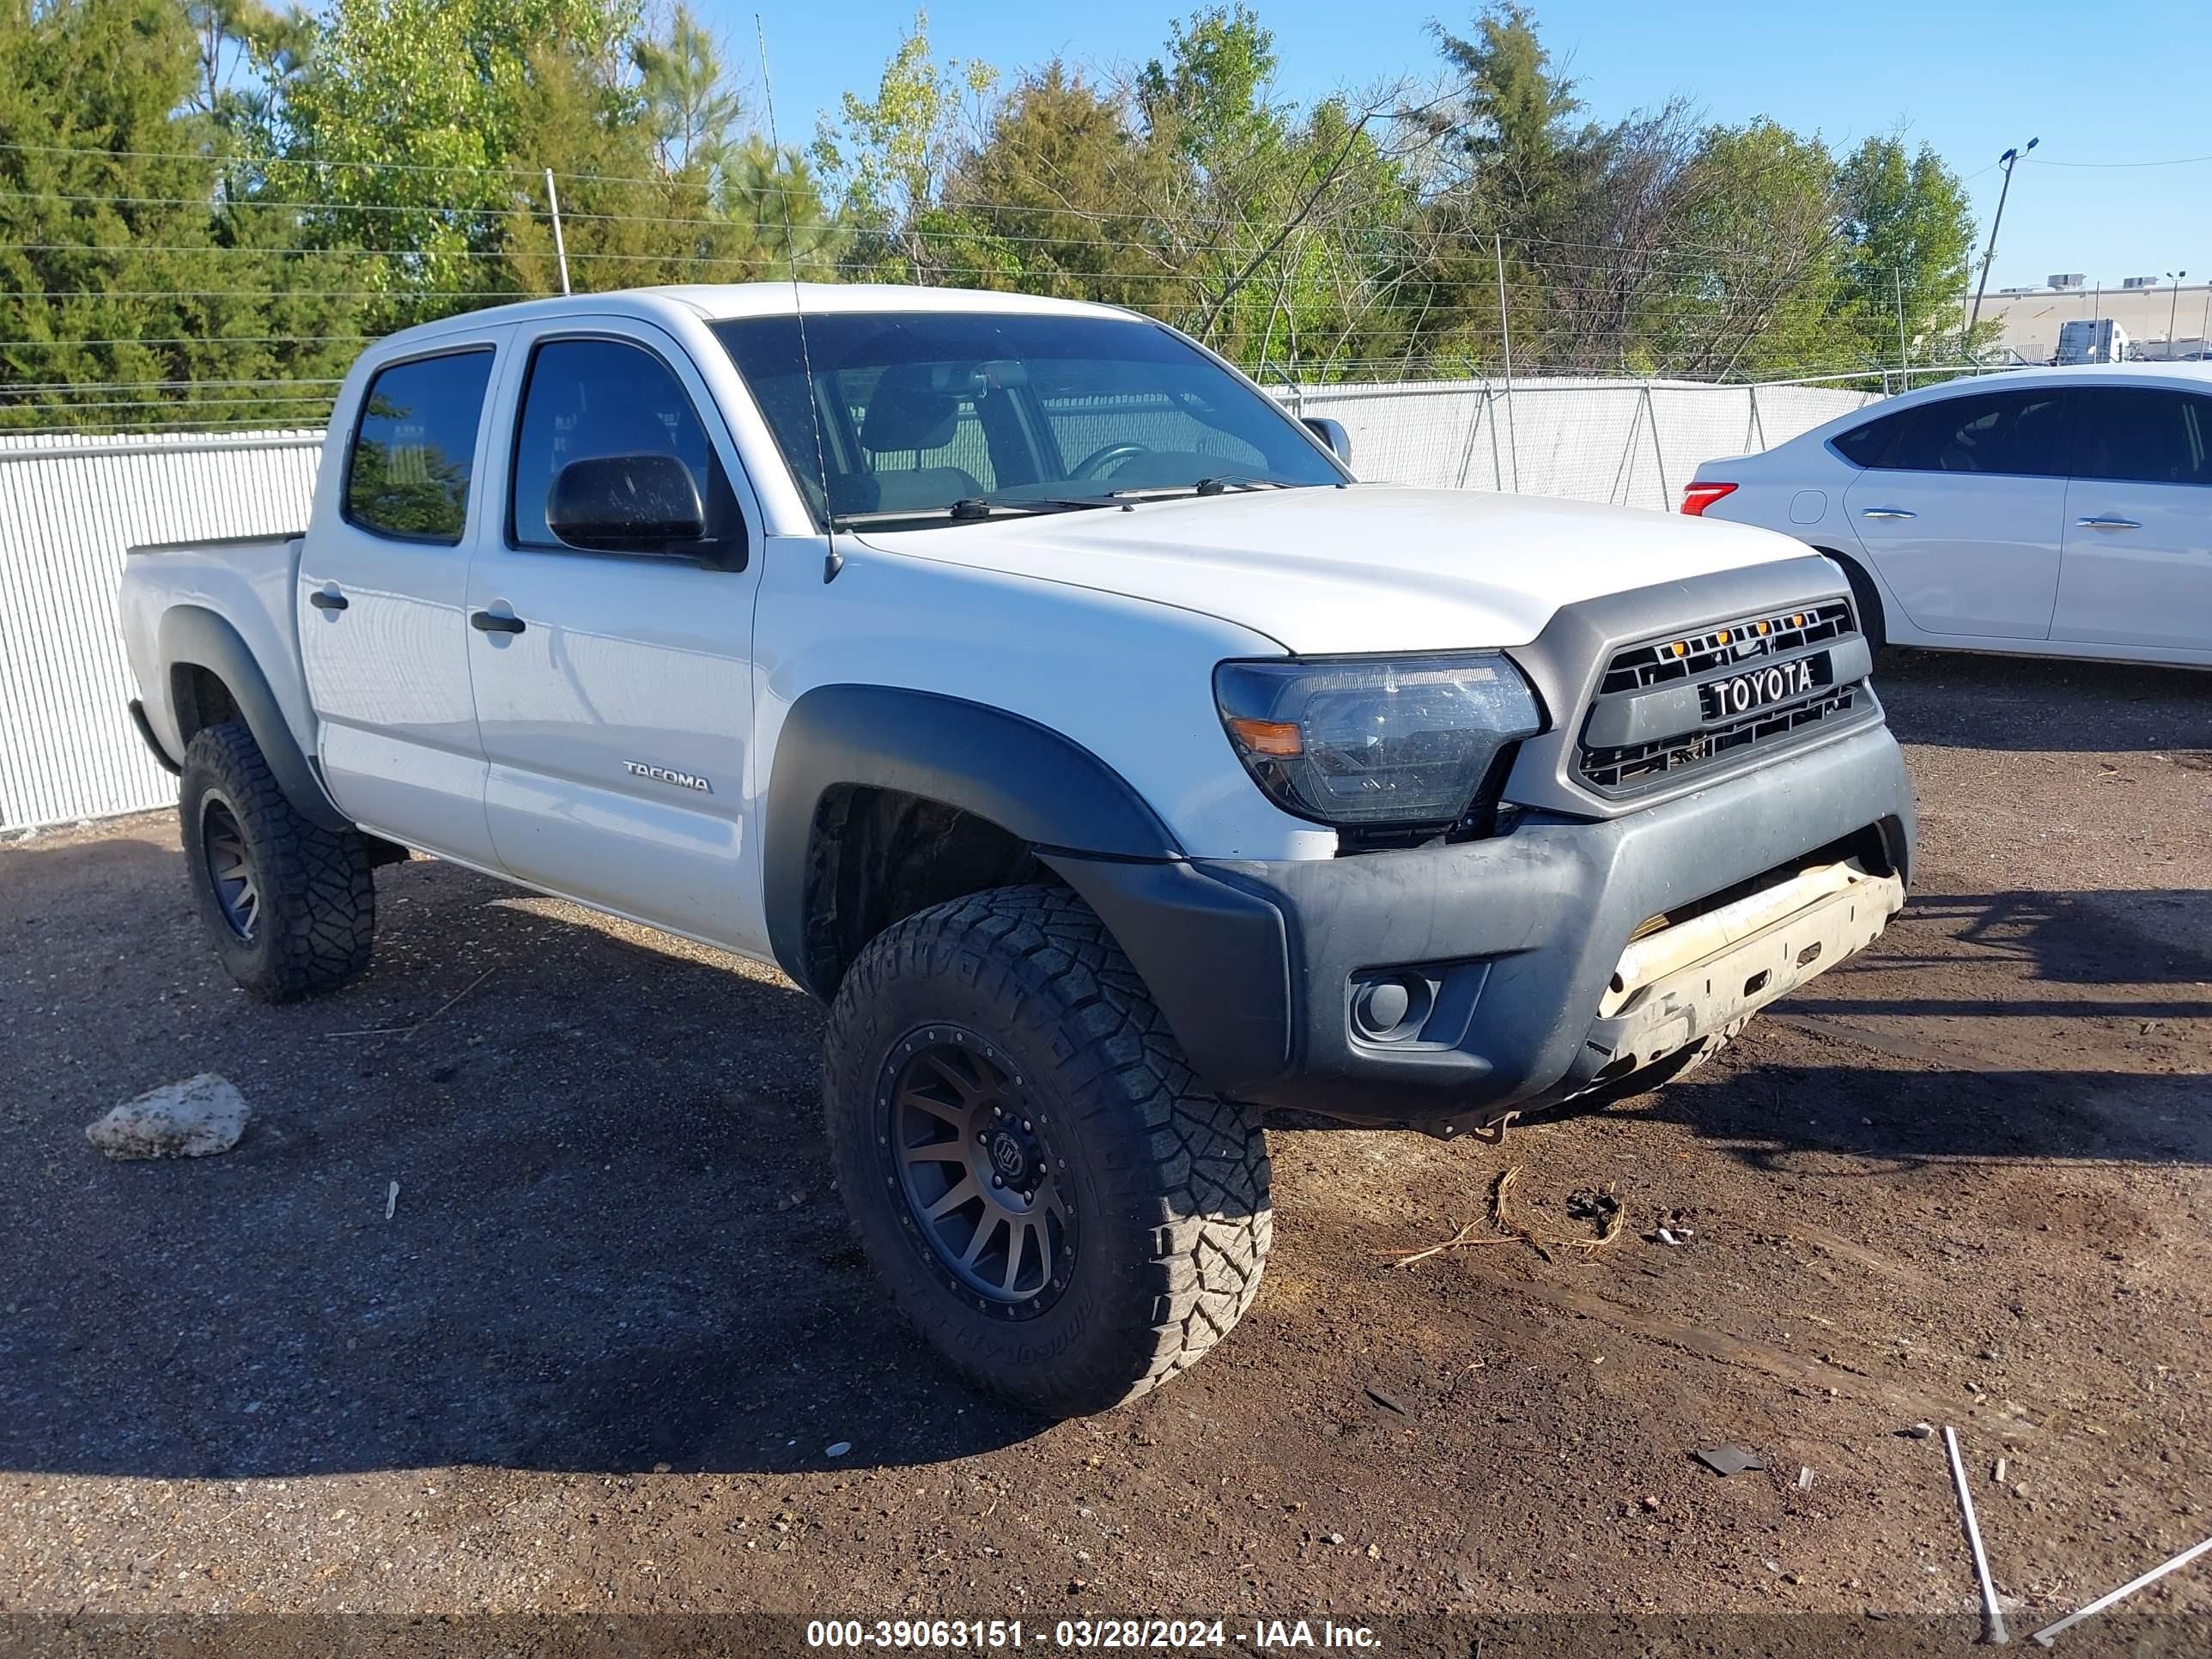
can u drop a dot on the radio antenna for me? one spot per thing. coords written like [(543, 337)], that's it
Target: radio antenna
[(833, 561)]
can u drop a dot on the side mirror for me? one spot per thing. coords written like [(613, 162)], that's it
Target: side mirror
[(626, 504), (1331, 433)]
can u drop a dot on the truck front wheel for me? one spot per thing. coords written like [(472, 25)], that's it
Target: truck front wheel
[(289, 906), (1050, 1195)]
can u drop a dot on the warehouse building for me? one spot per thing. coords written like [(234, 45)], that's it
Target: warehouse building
[(2162, 322)]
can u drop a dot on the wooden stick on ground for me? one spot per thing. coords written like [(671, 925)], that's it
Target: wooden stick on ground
[(1464, 1239), (410, 1030)]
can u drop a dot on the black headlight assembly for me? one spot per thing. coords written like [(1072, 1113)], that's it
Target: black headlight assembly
[(1382, 748)]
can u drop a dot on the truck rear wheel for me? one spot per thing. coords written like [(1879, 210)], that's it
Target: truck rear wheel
[(1051, 1197), (289, 906)]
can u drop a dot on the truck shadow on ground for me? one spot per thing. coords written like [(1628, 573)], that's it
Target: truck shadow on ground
[(1958, 699), (1961, 1035), (1873, 1123), (615, 1243)]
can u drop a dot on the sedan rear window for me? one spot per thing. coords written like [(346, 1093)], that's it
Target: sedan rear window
[(1863, 446), (2019, 433)]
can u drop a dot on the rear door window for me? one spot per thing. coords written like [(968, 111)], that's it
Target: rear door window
[(415, 447), (2140, 436), (2017, 433)]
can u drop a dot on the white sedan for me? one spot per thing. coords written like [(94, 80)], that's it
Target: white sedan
[(2060, 512)]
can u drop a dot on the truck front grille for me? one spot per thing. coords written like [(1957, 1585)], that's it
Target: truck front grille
[(1625, 767), (1723, 645), (1799, 668)]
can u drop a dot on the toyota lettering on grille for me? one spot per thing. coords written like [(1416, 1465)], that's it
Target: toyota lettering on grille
[(1743, 694)]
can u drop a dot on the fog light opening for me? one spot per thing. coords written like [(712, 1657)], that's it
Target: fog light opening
[(1392, 1008)]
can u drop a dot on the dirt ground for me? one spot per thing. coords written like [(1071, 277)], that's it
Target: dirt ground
[(600, 1355)]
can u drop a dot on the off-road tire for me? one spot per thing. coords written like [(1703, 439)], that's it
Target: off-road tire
[(1170, 1184), (316, 901)]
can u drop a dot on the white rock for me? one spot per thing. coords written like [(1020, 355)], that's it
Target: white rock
[(197, 1118)]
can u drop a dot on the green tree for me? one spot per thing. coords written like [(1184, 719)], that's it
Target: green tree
[(1059, 199), (777, 198), (244, 49), (694, 109), (1209, 97), (1269, 216), (424, 127), (1752, 286), (1909, 237), (629, 223), (1513, 182), (1508, 126), (134, 286), (889, 156)]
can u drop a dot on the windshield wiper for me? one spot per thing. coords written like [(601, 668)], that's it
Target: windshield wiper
[(1203, 487), (970, 509)]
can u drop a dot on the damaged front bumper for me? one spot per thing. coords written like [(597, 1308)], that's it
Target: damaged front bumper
[(1448, 987)]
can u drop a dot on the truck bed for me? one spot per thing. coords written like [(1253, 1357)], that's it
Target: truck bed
[(250, 583)]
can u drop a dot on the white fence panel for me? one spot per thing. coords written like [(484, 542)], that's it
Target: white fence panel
[(1635, 442), (69, 507), (68, 510)]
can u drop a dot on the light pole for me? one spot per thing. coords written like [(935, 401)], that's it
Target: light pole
[(2173, 311), (2007, 162)]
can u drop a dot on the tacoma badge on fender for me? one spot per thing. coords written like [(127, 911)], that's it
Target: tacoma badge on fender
[(662, 775)]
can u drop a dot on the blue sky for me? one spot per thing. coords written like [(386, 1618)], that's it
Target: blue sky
[(2120, 82)]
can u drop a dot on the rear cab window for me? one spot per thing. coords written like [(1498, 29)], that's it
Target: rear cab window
[(414, 447)]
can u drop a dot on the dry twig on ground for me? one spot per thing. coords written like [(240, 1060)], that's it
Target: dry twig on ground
[(410, 1030)]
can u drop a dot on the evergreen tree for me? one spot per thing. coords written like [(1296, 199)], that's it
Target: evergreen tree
[(128, 274)]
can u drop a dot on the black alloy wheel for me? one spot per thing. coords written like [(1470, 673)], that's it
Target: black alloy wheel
[(1050, 1195), (973, 1158), (230, 870), (289, 903)]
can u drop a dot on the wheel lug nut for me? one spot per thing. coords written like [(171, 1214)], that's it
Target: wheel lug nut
[(998, 1181), (1025, 1123)]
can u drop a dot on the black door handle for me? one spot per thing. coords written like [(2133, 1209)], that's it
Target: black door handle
[(489, 621), (327, 601)]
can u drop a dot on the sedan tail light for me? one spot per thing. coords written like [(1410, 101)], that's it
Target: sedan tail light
[(1698, 497)]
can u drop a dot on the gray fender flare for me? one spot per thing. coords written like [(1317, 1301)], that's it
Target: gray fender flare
[(193, 636), (1037, 785)]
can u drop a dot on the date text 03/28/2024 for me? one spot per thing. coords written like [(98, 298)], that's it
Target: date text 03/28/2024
[(1085, 1635)]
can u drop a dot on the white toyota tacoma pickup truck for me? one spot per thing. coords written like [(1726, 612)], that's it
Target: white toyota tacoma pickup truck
[(1040, 695)]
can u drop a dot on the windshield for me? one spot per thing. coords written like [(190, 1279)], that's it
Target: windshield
[(920, 410)]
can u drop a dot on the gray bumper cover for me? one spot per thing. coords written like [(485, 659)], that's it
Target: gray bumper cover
[(1256, 964)]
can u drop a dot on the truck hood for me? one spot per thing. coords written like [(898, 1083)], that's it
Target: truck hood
[(1370, 568)]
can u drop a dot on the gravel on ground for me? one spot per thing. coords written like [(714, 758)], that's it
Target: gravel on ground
[(610, 1348)]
